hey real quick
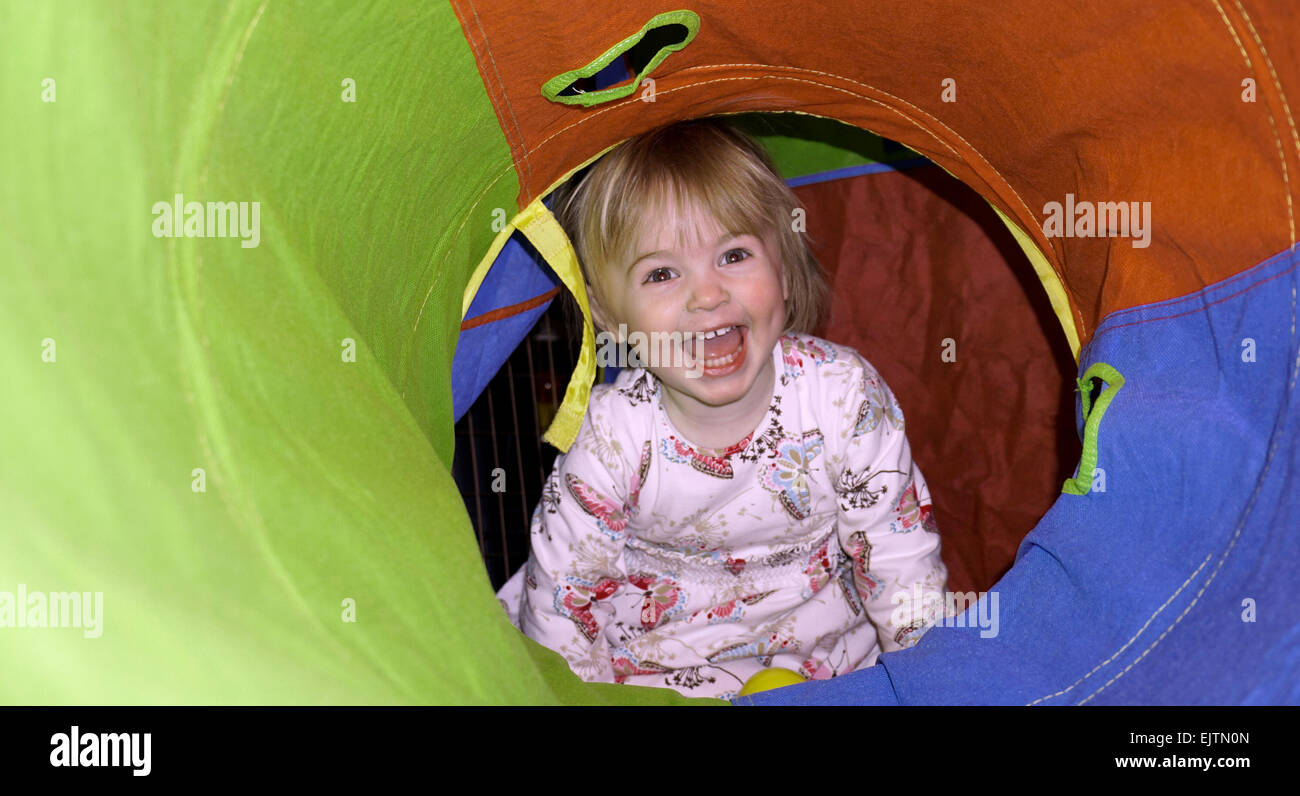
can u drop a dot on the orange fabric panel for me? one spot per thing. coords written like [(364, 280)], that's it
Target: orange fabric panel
[(917, 257), (1107, 101)]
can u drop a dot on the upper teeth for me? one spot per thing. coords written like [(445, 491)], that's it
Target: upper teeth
[(716, 332)]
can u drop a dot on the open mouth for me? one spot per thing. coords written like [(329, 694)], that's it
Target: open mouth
[(719, 349)]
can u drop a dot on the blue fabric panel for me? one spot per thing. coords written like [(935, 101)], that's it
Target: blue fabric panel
[(518, 274), (614, 72), (1140, 594), (858, 171)]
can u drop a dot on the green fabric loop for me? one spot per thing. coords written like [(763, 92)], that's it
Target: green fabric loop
[(1081, 484), (551, 89)]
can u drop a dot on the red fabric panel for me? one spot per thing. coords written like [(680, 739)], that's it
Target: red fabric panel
[(917, 257)]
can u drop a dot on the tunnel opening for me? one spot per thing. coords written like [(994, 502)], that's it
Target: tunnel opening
[(927, 283)]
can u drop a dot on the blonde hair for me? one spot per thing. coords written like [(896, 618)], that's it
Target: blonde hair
[(703, 163)]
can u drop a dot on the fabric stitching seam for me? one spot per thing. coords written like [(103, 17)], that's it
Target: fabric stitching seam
[(505, 98)]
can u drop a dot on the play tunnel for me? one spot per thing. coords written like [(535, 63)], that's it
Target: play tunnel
[(258, 257)]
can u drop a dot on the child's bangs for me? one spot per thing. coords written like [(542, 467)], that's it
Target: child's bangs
[(683, 200), (672, 183)]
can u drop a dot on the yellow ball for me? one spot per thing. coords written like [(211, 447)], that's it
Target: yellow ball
[(768, 679)]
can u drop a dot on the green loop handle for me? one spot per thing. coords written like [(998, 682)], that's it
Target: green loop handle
[(551, 89), (1081, 484)]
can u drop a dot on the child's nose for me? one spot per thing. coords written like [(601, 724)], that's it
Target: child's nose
[(707, 292)]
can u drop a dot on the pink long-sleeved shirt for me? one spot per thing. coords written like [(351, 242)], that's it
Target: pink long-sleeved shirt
[(656, 562)]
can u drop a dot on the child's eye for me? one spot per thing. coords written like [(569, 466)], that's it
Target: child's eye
[(654, 275), (735, 256)]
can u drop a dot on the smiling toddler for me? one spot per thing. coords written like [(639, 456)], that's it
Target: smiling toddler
[(750, 502)]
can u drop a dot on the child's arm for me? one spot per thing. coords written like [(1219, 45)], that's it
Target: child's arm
[(886, 522), (576, 566)]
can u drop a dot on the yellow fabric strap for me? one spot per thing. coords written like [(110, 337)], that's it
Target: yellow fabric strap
[(1051, 282), (484, 265), (546, 235)]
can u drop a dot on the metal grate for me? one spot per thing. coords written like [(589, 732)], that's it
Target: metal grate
[(501, 462)]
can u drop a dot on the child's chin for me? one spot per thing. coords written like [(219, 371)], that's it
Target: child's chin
[(714, 391)]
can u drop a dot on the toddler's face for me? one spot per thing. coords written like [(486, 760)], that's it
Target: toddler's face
[(729, 285)]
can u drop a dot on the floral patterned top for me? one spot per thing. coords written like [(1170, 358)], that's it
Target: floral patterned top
[(656, 562)]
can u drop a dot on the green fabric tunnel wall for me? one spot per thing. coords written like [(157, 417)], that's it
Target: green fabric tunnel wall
[(185, 431)]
